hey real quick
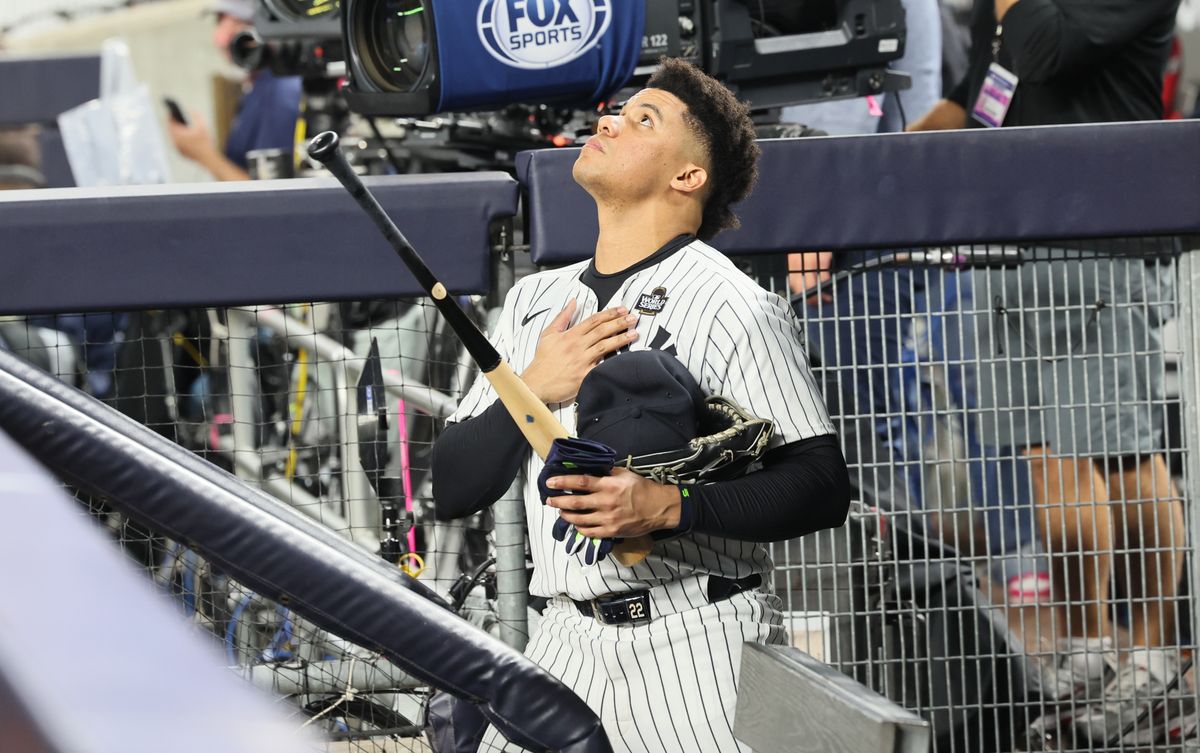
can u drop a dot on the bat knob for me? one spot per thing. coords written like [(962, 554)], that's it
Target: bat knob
[(323, 146)]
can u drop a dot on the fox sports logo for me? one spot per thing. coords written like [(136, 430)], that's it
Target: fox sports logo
[(538, 34)]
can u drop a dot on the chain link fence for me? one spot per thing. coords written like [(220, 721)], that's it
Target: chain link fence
[(272, 394), (1015, 567)]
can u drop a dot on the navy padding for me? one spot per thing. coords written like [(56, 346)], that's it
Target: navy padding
[(55, 167), (221, 244), (282, 554), (155, 675), (913, 189), (37, 89)]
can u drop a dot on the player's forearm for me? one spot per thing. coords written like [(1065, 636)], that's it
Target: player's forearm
[(803, 487), (474, 462), (945, 116), (221, 167)]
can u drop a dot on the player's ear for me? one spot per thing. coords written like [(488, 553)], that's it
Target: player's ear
[(690, 178)]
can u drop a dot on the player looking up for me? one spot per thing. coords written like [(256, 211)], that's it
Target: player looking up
[(655, 648)]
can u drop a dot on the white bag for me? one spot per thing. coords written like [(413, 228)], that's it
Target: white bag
[(115, 140)]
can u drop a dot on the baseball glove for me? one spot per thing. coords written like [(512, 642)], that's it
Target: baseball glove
[(731, 440)]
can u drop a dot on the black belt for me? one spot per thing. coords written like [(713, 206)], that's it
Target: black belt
[(634, 607)]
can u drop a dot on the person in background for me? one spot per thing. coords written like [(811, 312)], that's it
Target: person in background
[(266, 115), (864, 327), (1077, 355)]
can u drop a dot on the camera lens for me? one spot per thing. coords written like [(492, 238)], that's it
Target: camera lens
[(247, 50), (303, 10), (393, 41)]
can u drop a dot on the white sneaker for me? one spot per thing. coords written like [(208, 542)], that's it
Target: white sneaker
[(1171, 722), (1078, 669), (1139, 686)]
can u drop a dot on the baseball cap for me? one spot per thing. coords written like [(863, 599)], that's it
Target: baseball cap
[(240, 9), (638, 402)]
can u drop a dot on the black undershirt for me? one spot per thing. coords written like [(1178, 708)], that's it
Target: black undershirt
[(606, 286)]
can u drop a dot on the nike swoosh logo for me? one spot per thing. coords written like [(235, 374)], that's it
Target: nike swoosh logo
[(536, 313)]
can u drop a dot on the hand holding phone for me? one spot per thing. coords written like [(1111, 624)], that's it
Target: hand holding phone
[(175, 111)]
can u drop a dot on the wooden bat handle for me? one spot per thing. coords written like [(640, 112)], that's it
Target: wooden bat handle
[(541, 428), (535, 420), (537, 423)]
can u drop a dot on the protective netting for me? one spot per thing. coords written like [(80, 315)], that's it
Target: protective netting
[(272, 394)]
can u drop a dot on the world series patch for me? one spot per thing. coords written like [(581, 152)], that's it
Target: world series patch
[(652, 303)]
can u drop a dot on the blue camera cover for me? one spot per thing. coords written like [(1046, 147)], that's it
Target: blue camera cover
[(569, 51)]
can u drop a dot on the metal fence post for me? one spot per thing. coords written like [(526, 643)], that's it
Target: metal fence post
[(512, 587), (1189, 374), (243, 391)]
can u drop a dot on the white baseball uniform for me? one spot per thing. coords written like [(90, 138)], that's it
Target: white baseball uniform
[(670, 684)]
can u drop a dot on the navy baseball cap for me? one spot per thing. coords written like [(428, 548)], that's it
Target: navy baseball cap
[(638, 402)]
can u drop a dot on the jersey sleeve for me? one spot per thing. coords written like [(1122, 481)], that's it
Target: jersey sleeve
[(762, 342), (482, 394)]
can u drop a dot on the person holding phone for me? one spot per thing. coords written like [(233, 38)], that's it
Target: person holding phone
[(266, 115)]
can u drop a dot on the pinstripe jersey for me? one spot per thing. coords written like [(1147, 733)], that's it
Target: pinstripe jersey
[(736, 339)]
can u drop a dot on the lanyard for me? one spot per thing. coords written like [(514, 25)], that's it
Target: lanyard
[(996, 40)]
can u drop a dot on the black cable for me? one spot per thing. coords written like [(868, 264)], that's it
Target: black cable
[(900, 109), (391, 158), (465, 584), (1004, 258)]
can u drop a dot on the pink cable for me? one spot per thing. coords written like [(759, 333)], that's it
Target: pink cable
[(214, 434), (406, 473)]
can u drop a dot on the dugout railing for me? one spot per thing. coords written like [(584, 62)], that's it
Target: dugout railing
[(911, 596)]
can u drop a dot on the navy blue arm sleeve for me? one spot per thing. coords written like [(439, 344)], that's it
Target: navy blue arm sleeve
[(474, 462), (802, 487)]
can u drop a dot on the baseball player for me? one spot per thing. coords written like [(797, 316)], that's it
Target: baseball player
[(655, 648)]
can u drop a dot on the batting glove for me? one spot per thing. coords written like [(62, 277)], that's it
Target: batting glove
[(568, 457)]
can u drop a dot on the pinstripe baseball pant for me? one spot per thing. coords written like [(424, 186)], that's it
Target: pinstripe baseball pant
[(667, 686)]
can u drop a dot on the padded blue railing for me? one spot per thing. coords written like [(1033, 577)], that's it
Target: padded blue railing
[(283, 555), (217, 244), (910, 189)]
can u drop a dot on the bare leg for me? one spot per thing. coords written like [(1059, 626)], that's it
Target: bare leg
[(1152, 538), (1077, 527)]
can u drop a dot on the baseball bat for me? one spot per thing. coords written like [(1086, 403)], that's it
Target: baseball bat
[(537, 423)]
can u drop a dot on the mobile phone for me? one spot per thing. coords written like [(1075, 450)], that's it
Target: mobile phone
[(175, 110)]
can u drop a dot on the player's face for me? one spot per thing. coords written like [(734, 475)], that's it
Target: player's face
[(639, 151)]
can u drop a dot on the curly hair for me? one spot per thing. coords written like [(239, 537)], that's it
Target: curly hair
[(722, 126)]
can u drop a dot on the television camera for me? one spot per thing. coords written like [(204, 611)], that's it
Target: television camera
[(415, 57), (506, 75), (292, 38)]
